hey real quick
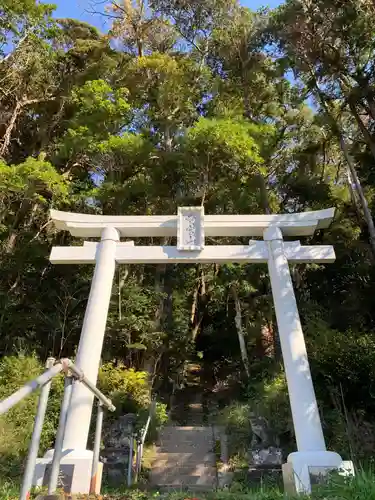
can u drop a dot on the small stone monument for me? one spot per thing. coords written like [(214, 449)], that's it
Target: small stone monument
[(115, 455), (264, 450)]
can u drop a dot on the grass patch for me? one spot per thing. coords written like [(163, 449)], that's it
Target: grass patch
[(361, 487)]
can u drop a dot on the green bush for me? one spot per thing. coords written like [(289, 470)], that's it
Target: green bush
[(128, 389), (268, 399), (271, 401), (130, 392), (235, 419)]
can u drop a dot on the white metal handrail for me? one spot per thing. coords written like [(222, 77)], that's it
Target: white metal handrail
[(72, 373), (140, 443)]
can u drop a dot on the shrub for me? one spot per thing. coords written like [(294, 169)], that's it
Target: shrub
[(272, 402), (130, 392), (235, 419), (128, 389)]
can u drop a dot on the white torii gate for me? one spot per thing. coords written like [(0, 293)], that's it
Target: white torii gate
[(191, 227)]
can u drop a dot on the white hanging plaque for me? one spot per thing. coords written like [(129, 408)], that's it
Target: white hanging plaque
[(190, 228)]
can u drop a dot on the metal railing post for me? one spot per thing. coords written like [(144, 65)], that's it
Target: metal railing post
[(144, 434), (137, 460), (35, 438), (130, 464), (55, 467), (44, 381), (140, 457), (97, 441)]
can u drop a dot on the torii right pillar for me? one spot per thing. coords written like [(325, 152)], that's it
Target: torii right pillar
[(312, 458)]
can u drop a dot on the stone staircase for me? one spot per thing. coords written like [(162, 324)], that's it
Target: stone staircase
[(185, 458)]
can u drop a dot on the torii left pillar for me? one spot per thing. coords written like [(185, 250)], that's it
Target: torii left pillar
[(91, 341), (76, 462)]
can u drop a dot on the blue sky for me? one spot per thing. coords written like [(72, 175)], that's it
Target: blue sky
[(79, 8)]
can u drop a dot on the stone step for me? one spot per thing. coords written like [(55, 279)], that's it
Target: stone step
[(187, 428), (186, 437), (184, 446), (185, 458), (187, 469), (161, 463), (186, 483), (196, 440), (175, 446), (191, 488), (194, 451), (174, 439), (185, 472), (184, 479)]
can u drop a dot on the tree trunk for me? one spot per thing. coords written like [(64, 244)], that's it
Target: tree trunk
[(264, 195), (140, 48), (367, 99), (371, 104), (267, 345), (9, 129), (122, 277), (366, 134), (351, 166), (160, 287), (168, 298), (267, 338), (12, 123), (353, 196), (357, 183), (194, 305), (238, 322), (15, 230), (200, 298)]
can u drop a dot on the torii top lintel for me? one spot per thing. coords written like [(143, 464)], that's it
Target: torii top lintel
[(135, 226)]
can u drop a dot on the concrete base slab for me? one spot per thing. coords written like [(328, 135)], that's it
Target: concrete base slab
[(305, 469), (74, 475)]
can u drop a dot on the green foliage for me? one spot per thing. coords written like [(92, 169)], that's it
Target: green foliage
[(96, 101), (17, 15), (221, 140), (268, 399), (235, 419), (360, 487), (170, 88), (100, 110), (128, 389), (33, 180)]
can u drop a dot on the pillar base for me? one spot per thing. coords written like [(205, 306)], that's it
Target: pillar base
[(75, 471), (304, 469)]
